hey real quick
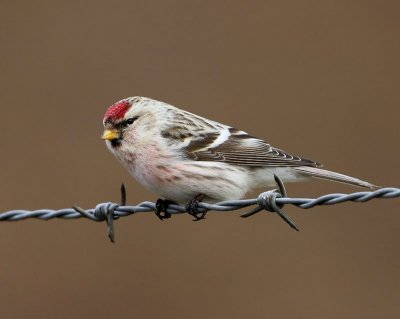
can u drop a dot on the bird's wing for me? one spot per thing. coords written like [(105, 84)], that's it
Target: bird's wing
[(229, 145), (199, 139)]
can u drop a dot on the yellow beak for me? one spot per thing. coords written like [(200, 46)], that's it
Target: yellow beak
[(110, 135)]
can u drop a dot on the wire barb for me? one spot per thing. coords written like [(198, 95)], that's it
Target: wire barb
[(267, 201), (272, 201), (105, 211)]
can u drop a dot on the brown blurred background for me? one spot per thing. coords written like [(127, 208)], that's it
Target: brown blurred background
[(315, 78)]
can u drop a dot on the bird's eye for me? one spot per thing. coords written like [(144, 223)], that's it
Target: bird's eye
[(130, 120)]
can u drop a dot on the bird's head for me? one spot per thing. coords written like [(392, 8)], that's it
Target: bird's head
[(127, 121)]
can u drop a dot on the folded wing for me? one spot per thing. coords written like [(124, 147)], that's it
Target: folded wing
[(237, 147)]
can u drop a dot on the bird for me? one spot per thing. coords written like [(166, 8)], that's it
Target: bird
[(186, 158)]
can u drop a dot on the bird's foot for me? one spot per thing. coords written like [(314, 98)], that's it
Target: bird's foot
[(192, 207), (161, 208)]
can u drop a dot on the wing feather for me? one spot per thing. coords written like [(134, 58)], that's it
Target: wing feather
[(200, 139), (242, 149)]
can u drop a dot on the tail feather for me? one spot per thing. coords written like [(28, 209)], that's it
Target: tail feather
[(325, 174)]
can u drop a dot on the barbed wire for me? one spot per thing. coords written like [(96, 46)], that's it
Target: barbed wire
[(272, 201)]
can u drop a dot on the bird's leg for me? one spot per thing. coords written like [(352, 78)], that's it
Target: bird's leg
[(191, 208), (161, 208)]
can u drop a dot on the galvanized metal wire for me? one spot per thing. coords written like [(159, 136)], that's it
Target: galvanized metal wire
[(272, 201)]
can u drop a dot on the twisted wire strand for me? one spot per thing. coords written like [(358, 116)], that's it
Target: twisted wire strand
[(272, 201), (225, 206)]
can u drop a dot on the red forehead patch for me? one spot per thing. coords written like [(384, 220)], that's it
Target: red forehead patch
[(117, 110)]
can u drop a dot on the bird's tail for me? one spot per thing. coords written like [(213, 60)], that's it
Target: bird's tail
[(324, 174)]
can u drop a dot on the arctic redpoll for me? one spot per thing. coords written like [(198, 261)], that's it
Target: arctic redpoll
[(186, 158)]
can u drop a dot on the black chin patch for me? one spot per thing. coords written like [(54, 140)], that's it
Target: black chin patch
[(116, 142)]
